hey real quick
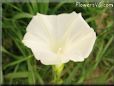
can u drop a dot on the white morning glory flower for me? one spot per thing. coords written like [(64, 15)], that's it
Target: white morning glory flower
[(57, 39)]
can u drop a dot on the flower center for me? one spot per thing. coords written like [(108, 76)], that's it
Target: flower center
[(58, 47), (59, 51)]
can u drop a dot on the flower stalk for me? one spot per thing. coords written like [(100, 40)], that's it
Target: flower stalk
[(57, 71)]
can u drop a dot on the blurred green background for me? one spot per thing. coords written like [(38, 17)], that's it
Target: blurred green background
[(19, 64)]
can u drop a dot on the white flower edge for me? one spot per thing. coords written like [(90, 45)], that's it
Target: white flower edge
[(45, 31)]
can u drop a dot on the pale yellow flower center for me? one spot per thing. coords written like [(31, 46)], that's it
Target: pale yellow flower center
[(58, 47)]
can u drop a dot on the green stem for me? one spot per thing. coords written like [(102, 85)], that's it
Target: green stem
[(57, 70)]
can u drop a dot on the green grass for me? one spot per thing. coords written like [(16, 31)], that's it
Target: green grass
[(19, 64)]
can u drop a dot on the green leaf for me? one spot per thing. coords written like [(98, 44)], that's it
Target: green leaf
[(10, 54), (22, 15), (1, 76), (17, 75), (34, 6), (72, 74), (31, 78), (57, 7), (43, 7), (16, 62)]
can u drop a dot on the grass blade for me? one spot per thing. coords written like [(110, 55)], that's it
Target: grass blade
[(17, 75), (43, 7), (16, 62), (22, 15), (31, 77)]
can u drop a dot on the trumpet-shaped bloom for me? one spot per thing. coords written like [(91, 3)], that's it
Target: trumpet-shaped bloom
[(57, 39)]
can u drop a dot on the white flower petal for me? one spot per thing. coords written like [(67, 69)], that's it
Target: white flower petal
[(46, 57), (81, 39), (32, 41), (63, 22), (82, 47)]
